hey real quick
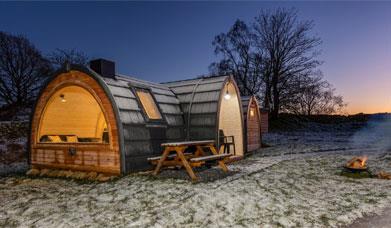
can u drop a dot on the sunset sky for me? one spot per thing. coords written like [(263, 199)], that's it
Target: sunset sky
[(172, 41)]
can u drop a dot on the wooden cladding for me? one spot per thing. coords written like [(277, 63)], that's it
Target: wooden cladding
[(99, 157), (95, 157), (253, 126), (264, 121)]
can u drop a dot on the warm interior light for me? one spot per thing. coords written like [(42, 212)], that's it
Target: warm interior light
[(251, 112), (62, 97), (227, 96)]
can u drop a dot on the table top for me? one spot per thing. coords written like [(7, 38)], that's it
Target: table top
[(189, 143)]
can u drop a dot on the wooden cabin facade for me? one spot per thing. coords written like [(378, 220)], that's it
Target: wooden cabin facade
[(106, 123), (252, 117), (91, 119)]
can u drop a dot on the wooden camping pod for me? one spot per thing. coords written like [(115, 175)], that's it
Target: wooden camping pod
[(85, 120), (252, 121), (133, 136)]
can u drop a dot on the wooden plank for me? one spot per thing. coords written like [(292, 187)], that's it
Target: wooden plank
[(187, 166), (221, 163), (169, 156), (161, 161), (210, 157), (188, 143), (98, 169)]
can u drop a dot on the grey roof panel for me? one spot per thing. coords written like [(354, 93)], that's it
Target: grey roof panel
[(126, 103), (113, 82), (185, 98), (138, 148), (174, 120), (174, 134), (131, 117), (165, 91), (210, 87), (121, 91), (202, 133), (206, 96), (170, 109), (166, 99), (204, 108), (204, 120), (195, 81), (127, 78), (136, 133)]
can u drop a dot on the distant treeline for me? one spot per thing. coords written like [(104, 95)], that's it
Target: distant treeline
[(287, 121), (23, 71)]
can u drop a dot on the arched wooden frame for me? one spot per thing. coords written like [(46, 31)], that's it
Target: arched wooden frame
[(97, 157), (253, 102), (51, 98), (230, 80)]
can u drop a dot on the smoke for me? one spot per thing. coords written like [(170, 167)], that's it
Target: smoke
[(376, 134)]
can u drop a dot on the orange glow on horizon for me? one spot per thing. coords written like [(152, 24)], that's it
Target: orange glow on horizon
[(352, 109)]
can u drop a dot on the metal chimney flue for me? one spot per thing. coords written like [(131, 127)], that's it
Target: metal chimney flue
[(104, 67)]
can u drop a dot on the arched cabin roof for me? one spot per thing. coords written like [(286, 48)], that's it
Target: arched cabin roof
[(142, 138), (246, 101), (139, 138), (199, 99), (130, 108), (246, 104)]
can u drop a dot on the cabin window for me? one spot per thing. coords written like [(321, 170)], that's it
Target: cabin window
[(72, 115), (149, 104), (252, 112)]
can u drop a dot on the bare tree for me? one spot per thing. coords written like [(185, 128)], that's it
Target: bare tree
[(273, 59), (316, 96), (328, 102), (239, 60), (291, 52), (22, 71), (61, 56)]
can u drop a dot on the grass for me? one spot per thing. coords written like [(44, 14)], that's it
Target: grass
[(358, 175)]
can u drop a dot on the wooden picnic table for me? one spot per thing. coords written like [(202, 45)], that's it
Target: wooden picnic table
[(190, 160)]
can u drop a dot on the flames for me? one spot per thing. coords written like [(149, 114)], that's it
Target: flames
[(360, 164), (357, 163)]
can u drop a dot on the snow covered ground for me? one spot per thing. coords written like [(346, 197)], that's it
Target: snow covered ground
[(296, 182)]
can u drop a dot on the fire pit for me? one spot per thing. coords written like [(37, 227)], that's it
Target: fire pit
[(358, 167), (357, 164)]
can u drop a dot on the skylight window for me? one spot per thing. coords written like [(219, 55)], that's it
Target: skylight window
[(149, 104)]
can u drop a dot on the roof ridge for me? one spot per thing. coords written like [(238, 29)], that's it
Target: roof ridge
[(132, 78), (196, 78)]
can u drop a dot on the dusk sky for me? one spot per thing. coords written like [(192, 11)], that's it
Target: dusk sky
[(173, 40)]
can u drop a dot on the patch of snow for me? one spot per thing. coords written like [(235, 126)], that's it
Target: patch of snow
[(296, 182)]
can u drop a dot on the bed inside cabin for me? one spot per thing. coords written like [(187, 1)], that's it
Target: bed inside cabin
[(73, 115)]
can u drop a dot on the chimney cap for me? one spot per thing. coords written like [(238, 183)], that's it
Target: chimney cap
[(104, 67)]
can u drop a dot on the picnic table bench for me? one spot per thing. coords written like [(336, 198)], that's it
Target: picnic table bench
[(189, 160)]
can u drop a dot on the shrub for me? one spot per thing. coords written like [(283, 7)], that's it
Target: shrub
[(11, 131)]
